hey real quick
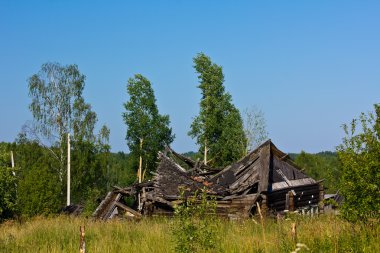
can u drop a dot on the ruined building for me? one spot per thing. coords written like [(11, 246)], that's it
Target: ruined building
[(266, 176)]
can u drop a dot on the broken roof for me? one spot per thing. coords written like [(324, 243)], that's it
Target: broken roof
[(264, 171)]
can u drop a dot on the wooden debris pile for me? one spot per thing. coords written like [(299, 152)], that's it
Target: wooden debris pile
[(73, 210), (266, 175)]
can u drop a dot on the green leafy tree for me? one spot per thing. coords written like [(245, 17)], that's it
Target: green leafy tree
[(39, 187), (324, 165), (218, 129), (59, 108), (90, 163), (147, 130), (360, 157), (8, 184)]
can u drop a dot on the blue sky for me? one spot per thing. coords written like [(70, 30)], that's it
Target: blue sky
[(309, 65)]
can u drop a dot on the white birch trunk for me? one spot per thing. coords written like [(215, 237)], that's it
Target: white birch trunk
[(68, 169)]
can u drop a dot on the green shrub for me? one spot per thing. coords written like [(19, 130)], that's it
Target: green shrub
[(360, 157), (195, 224)]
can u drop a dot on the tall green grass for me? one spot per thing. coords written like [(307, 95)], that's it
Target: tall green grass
[(61, 234)]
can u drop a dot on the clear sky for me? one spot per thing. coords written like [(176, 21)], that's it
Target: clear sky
[(309, 65)]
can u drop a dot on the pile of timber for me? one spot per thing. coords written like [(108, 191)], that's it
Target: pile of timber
[(112, 204), (266, 175)]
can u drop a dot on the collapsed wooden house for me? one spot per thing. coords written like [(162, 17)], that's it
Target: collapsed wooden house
[(266, 176)]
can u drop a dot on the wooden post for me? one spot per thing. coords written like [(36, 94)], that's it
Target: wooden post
[(82, 243), (321, 197), (294, 233), (68, 169), (291, 201), (264, 205), (287, 201), (262, 224)]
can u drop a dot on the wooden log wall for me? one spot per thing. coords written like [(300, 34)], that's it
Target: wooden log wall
[(236, 208), (305, 195)]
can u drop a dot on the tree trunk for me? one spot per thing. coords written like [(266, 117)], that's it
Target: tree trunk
[(68, 169), (205, 154)]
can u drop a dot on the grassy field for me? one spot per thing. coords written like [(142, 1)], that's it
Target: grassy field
[(61, 234)]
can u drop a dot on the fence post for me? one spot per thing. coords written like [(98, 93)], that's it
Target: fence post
[(82, 245), (294, 233), (291, 201), (264, 205)]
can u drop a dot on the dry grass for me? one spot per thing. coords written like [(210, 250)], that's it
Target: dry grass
[(61, 234)]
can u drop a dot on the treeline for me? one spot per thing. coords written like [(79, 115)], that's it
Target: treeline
[(321, 166), (64, 123), (34, 187), (36, 182)]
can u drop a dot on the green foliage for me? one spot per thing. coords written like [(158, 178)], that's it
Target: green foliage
[(88, 171), (145, 123), (360, 157), (39, 190), (196, 224), (219, 126), (54, 91), (90, 174), (90, 200), (192, 155), (324, 165), (121, 169), (59, 108), (8, 184), (39, 187), (331, 202)]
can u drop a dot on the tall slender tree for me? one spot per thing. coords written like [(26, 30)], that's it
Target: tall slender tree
[(218, 129), (147, 130), (59, 108)]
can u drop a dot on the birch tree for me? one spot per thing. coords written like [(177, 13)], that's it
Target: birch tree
[(254, 127), (58, 108), (147, 130), (218, 129)]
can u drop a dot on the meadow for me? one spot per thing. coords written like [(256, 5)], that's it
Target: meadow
[(61, 234)]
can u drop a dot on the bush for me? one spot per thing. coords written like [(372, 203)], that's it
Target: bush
[(195, 227), (39, 191), (360, 157)]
